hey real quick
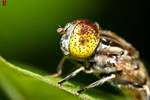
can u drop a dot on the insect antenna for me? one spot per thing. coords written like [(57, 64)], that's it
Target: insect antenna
[(60, 30)]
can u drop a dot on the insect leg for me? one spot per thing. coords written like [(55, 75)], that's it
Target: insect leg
[(60, 67), (71, 75), (147, 91), (99, 82), (141, 94)]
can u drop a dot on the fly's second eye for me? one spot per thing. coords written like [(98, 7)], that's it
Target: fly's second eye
[(84, 39)]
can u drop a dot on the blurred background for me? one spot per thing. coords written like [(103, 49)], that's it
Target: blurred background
[(28, 27)]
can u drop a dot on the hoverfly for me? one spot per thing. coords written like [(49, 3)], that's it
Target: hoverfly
[(105, 55)]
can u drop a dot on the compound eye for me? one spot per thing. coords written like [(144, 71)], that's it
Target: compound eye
[(84, 40)]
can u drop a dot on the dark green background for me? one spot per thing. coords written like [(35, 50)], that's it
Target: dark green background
[(28, 27)]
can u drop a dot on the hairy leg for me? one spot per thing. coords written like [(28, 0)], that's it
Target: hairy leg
[(137, 91), (147, 89), (60, 67), (99, 82), (71, 75)]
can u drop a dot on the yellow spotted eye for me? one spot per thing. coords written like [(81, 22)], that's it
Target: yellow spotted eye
[(84, 40)]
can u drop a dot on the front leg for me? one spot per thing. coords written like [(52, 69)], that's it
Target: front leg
[(60, 67), (71, 75), (99, 82)]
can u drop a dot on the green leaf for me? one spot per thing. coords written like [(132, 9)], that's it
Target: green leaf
[(21, 84)]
